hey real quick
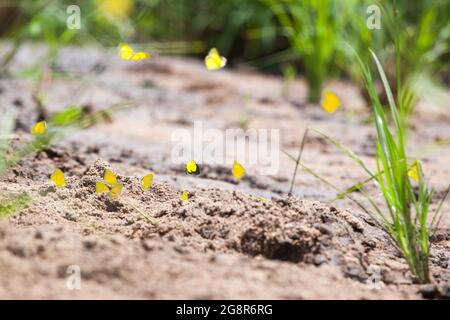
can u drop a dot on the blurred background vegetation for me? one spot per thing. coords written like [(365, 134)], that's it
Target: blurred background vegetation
[(312, 38)]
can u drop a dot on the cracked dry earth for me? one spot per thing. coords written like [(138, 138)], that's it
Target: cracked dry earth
[(230, 240)]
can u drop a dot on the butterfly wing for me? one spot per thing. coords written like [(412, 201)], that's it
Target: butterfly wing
[(237, 170), (109, 177), (58, 178), (115, 192), (140, 56), (147, 181), (184, 196), (413, 173), (330, 102), (100, 187), (126, 52), (39, 128), (213, 61)]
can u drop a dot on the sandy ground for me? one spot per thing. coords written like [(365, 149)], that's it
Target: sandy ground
[(232, 239)]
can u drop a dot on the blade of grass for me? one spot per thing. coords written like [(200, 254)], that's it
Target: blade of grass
[(302, 145), (329, 184), (153, 221), (438, 215)]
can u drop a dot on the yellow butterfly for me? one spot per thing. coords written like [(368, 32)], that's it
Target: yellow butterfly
[(192, 168), (184, 196), (58, 178), (213, 61), (237, 170), (127, 53), (39, 128), (100, 187), (113, 192), (110, 178), (414, 171), (147, 181), (330, 102)]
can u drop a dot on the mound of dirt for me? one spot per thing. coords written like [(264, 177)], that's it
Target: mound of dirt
[(291, 233), (42, 262)]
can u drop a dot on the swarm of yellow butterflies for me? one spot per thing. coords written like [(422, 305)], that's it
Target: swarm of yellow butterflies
[(109, 183), (330, 102), (213, 61), (127, 53)]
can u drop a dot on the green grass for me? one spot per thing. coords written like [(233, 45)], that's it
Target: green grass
[(420, 34), (408, 211), (406, 215), (312, 28), (263, 33)]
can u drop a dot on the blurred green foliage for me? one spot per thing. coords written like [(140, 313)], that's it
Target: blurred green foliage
[(310, 35), (315, 32)]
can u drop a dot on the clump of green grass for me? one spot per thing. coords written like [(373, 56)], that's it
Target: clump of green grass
[(420, 33), (407, 217), (408, 211), (312, 28)]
